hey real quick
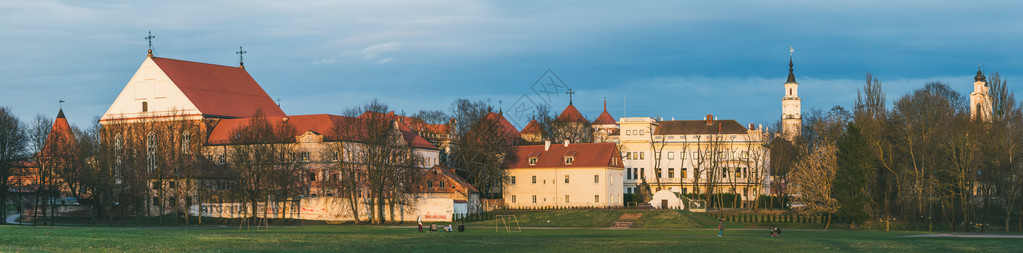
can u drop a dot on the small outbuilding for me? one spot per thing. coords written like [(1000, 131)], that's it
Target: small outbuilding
[(666, 199)]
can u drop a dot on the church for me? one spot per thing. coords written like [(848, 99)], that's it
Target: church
[(183, 118)]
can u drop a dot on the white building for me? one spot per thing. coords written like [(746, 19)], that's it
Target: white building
[(694, 156)]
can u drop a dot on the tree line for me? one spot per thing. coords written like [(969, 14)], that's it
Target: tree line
[(925, 162)]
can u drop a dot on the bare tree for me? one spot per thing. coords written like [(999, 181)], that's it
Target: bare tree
[(814, 177), (482, 143), (12, 151)]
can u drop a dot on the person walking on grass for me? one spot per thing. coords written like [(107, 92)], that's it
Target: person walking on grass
[(721, 227), (419, 220)]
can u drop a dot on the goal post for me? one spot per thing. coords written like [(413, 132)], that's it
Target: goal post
[(506, 221)]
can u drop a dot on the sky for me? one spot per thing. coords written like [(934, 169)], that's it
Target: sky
[(671, 59)]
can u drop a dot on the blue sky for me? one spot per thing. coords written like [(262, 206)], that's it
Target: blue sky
[(673, 59)]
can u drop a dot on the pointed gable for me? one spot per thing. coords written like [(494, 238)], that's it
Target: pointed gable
[(164, 86), (570, 114)]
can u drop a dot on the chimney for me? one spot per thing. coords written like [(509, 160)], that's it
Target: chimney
[(547, 145), (710, 119), (284, 120), (567, 141)]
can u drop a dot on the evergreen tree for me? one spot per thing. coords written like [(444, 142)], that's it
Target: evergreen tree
[(854, 162)]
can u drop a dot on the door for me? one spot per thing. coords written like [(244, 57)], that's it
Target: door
[(664, 204)]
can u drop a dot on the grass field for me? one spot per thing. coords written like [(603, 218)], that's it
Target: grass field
[(567, 231), (477, 239)]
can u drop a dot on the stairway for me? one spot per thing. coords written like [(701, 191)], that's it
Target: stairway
[(625, 222)]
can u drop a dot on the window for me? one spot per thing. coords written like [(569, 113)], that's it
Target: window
[(441, 182), (566, 198), (657, 173), (657, 156), (170, 185), (641, 155), (532, 161), (671, 172), (156, 185), (145, 106), (628, 173), (635, 173), (641, 132), (745, 154), (684, 173), (722, 155), (303, 156), (151, 151), (534, 182), (332, 156), (671, 155), (221, 159), (156, 200), (724, 172), (738, 172), (512, 179), (566, 179), (312, 176), (534, 199), (569, 160), (628, 155), (681, 155), (186, 142), (429, 184), (596, 198), (696, 154), (513, 198), (596, 178), (642, 172)]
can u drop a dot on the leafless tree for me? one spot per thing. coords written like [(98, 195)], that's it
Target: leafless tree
[(12, 151)]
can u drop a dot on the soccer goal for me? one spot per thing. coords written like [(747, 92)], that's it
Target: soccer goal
[(506, 221)]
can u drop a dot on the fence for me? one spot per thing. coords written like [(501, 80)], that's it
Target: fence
[(473, 217), (769, 218)]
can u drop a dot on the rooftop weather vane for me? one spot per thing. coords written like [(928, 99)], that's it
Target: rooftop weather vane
[(791, 51), (241, 56), (570, 92), (150, 38), (61, 104)]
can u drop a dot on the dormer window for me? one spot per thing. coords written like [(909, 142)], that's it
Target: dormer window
[(532, 161), (569, 160)]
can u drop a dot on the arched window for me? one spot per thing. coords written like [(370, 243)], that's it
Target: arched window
[(790, 91), (145, 106), (151, 151), (186, 142)]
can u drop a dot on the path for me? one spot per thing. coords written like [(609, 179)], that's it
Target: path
[(968, 236), (12, 220), (625, 222)]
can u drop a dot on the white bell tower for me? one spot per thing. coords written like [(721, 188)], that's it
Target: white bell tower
[(980, 99), (791, 112)]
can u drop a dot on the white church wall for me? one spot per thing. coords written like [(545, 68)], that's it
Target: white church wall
[(150, 85)]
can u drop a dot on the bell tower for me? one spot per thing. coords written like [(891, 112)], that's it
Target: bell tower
[(791, 116), (980, 99)]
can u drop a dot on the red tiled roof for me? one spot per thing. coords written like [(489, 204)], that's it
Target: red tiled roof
[(570, 114), (586, 155), (60, 134), (323, 124), (532, 128), (509, 130), (605, 118), (219, 90)]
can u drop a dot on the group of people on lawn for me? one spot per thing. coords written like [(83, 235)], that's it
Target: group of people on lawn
[(433, 226)]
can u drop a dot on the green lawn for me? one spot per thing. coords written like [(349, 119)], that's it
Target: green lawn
[(477, 239)]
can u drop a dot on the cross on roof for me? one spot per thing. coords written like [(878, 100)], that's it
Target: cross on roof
[(278, 102), (570, 92), (241, 56), (150, 38)]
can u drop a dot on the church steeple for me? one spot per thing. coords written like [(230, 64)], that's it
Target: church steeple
[(792, 77)]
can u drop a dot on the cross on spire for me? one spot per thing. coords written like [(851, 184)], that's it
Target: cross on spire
[(278, 102), (241, 57), (150, 38), (570, 92)]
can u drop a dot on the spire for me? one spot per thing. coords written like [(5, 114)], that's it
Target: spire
[(605, 104), (60, 114), (792, 77), (980, 76)]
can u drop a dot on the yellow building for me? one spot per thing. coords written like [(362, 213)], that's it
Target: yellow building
[(563, 175)]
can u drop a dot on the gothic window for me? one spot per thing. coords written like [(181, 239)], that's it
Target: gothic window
[(186, 142), (151, 151)]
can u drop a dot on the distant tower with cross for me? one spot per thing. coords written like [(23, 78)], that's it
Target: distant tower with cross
[(241, 57), (980, 99), (791, 112)]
